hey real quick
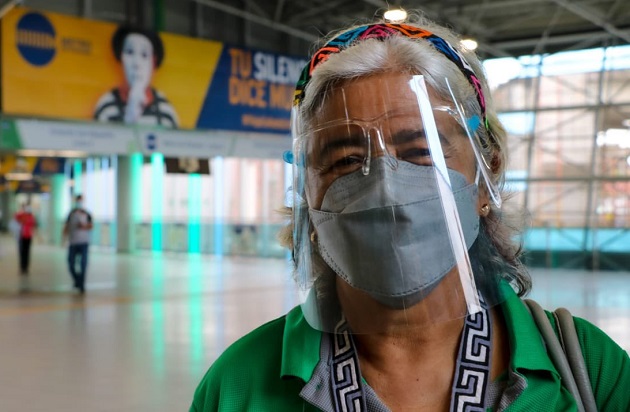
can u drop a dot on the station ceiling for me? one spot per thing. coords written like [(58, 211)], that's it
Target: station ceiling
[(502, 27)]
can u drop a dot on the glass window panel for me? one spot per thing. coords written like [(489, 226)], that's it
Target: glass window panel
[(618, 58), (616, 87), (516, 95), (558, 204), (568, 90), (563, 143), (576, 61)]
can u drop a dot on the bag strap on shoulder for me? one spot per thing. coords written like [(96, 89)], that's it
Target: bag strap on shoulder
[(566, 353)]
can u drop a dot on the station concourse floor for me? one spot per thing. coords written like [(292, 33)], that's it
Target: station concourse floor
[(149, 325)]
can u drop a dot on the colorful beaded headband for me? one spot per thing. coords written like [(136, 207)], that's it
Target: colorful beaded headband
[(381, 31)]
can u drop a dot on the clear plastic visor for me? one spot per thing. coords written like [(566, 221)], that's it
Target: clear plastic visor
[(386, 208)]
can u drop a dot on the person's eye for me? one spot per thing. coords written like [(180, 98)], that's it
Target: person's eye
[(347, 164), (416, 155), (349, 160)]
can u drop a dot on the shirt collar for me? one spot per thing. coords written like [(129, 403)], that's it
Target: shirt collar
[(526, 343), (300, 347), (301, 343)]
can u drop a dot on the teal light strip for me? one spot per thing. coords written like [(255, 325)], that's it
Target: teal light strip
[(92, 196), (112, 162), (58, 195), (136, 160), (194, 213), (157, 197), (219, 193), (77, 171)]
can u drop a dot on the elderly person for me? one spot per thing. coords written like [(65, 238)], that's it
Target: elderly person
[(412, 284)]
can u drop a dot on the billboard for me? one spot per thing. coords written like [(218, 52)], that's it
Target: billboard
[(64, 67)]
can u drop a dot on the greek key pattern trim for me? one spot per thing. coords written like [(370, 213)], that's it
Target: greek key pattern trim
[(346, 375), (473, 367)]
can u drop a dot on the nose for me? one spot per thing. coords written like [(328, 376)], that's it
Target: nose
[(378, 147)]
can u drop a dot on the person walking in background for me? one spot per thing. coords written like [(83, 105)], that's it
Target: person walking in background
[(77, 230), (27, 225)]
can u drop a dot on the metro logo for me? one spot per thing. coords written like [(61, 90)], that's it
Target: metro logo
[(35, 38)]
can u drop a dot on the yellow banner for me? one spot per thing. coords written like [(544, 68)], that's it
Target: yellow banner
[(66, 67)]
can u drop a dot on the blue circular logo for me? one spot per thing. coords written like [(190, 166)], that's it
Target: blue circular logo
[(36, 39)]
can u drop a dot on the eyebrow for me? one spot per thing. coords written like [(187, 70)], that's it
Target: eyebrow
[(355, 140), (409, 135), (358, 140)]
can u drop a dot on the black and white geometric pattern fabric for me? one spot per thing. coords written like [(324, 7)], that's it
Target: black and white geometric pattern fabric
[(473, 364), (346, 376), (471, 375)]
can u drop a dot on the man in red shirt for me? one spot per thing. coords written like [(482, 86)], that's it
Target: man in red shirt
[(28, 224)]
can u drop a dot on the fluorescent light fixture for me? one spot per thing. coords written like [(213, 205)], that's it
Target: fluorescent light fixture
[(18, 176), (470, 44), (51, 153), (614, 137), (395, 15)]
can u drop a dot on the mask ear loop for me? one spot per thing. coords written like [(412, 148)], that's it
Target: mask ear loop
[(481, 162)]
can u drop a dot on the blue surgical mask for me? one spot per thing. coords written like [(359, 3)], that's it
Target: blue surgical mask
[(385, 233)]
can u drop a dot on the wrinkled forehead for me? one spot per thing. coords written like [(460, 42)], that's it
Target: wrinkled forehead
[(367, 98)]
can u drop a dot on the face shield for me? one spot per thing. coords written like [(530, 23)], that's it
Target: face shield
[(386, 206)]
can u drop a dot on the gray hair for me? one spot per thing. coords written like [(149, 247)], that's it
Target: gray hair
[(400, 54)]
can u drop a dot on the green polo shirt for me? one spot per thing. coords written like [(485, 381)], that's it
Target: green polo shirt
[(274, 368)]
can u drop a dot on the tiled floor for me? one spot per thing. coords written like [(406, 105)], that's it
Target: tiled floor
[(150, 325)]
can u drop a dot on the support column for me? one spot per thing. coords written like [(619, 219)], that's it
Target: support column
[(56, 208), (194, 213), (5, 206), (159, 15), (128, 198), (77, 176), (157, 201)]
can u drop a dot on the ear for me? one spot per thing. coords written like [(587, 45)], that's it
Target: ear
[(483, 201)]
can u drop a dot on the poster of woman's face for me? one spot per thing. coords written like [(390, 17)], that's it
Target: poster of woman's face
[(140, 53), (138, 60)]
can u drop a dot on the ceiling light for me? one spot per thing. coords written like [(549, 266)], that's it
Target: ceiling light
[(51, 153), (18, 176), (469, 43), (395, 15)]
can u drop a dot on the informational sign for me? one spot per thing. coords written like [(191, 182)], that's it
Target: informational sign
[(64, 67), (84, 138), (267, 147), (187, 165), (182, 143)]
